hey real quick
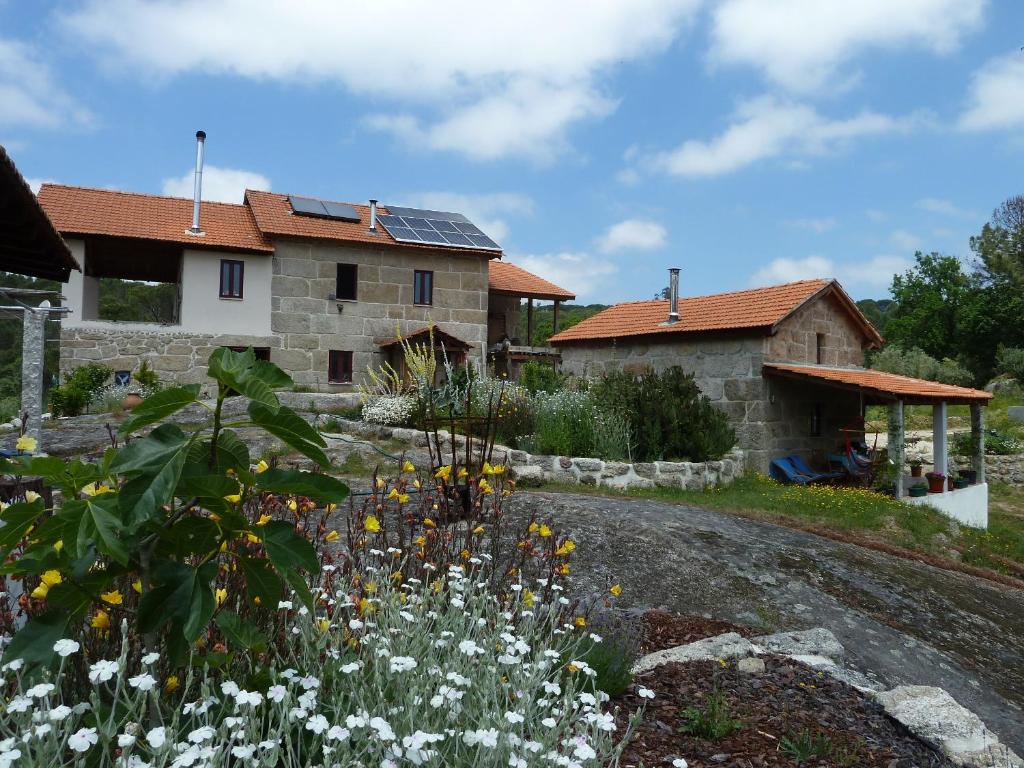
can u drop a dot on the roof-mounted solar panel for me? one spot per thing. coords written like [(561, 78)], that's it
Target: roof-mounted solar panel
[(324, 209), (451, 230)]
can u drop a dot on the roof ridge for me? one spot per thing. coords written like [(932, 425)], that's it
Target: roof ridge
[(138, 194), (364, 204), (823, 281)]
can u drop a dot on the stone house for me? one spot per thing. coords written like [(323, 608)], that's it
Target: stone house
[(786, 363), (321, 288)]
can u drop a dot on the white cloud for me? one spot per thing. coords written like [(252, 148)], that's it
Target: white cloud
[(819, 225), (632, 235), (29, 95), (578, 272), (484, 80), (766, 128), (223, 185), (488, 211), (905, 241), (875, 274), (996, 96), (803, 45), (944, 208), (35, 183)]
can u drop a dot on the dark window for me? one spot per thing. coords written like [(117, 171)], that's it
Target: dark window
[(820, 348), (348, 278), (339, 367), (231, 276), (423, 287)]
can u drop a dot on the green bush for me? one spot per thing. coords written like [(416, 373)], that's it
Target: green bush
[(9, 408), (918, 364), (996, 443), (667, 415), (1010, 360), (540, 377), (714, 720), (72, 397)]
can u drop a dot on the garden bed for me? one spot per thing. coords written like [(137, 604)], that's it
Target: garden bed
[(783, 715)]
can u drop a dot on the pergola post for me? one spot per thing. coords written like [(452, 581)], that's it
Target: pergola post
[(896, 443), (529, 322), (32, 353), (940, 449), (978, 441), (558, 306)]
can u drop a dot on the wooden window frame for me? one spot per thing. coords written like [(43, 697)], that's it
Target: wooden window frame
[(417, 282), (334, 358), (819, 348), (355, 282), (226, 292)]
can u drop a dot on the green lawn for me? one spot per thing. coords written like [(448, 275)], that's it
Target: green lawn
[(863, 514)]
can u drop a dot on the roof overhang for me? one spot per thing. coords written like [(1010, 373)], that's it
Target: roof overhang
[(539, 295), (424, 335), (879, 387), (29, 243)]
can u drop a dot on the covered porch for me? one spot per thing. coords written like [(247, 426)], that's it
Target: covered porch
[(967, 504)]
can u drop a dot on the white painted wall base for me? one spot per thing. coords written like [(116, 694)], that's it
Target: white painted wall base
[(965, 505)]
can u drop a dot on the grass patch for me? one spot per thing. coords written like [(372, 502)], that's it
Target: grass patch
[(878, 517), (712, 721)]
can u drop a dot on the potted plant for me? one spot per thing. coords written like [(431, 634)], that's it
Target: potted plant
[(936, 482), (960, 482), (970, 475), (918, 490), (915, 467)]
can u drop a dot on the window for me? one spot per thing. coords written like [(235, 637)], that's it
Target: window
[(231, 275), (348, 279), (819, 348), (339, 367), (423, 287)]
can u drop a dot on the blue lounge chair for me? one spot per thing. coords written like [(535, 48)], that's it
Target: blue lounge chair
[(802, 467), (849, 466), (783, 471)]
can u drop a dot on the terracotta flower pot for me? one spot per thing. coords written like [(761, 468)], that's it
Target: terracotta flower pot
[(936, 484), (915, 470), (131, 400)]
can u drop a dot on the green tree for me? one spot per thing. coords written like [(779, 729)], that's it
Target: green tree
[(1000, 246)]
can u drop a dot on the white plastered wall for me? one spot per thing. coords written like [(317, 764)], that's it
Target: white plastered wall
[(202, 309)]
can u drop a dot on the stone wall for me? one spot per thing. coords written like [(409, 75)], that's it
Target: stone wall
[(310, 325), (174, 355), (998, 469), (796, 338)]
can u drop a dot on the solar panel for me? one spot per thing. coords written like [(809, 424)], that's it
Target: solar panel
[(324, 209), (452, 230)]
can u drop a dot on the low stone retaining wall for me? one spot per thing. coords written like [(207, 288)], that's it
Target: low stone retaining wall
[(532, 470), (998, 469)]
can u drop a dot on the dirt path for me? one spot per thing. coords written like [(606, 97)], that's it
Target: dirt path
[(902, 622)]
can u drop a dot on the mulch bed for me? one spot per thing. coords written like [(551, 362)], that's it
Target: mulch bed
[(787, 700)]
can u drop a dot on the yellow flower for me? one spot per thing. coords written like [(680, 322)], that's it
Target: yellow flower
[(580, 621), (420, 541), (330, 508), (463, 473), (408, 467), (485, 487), (114, 597), (573, 668), (323, 624), (137, 586), (545, 531), (416, 483), (498, 469), (533, 528), (31, 496), (478, 530), (465, 554), (253, 538), (527, 598), (221, 595), (567, 546), (100, 621), (488, 469), (401, 497), (428, 523), (215, 517), (95, 490), (58, 545), (264, 519), (380, 482), (372, 524), (26, 443), (233, 498), (293, 505), (444, 473), (171, 684), (50, 579), (40, 592), (616, 590), (563, 569), (370, 587), (332, 536), (261, 467)]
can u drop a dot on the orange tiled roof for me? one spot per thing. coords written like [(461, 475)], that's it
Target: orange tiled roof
[(515, 281), (755, 308), (87, 211), (274, 216), (880, 382)]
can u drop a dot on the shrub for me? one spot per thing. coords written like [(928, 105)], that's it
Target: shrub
[(667, 415), (540, 377), (712, 721), (9, 408), (996, 443), (1010, 360), (391, 411), (918, 364), (82, 384)]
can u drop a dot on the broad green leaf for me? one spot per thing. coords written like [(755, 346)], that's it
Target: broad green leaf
[(232, 454), (184, 596), (159, 458), (97, 524), (271, 375), (160, 405), (206, 487), (287, 549), (241, 632), (152, 451), (34, 642), (238, 372), (38, 558), (292, 429), (317, 486), (52, 468), (17, 519), (261, 581), (76, 598), (192, 535)]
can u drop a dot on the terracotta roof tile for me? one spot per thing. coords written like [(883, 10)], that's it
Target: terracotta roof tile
[(515, 281), (274, 216), (86, 211), (881, 382), (755, 308)]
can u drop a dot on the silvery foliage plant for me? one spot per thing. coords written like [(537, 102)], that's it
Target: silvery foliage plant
[(439, 673)]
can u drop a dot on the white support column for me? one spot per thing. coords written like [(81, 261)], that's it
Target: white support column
[(32, 370), (940, 451), (896, 451)]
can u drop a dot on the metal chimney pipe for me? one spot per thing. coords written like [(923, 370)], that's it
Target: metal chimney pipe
[(673, 295), (373, 215), (198, 193)]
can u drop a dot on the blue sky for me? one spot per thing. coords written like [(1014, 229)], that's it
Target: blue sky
[(746, 141)]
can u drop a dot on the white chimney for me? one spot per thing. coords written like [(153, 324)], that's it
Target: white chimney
[(373, 215), (673, 295), (198, 193)]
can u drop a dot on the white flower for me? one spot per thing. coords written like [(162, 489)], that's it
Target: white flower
[(144, 682), (41, 730), (514, 717), (229, 688), (276, 693), (317, 724), (151, 658), (8, 756), (285, 605), (402, 663), (19, 704), (487, 737), (351, 667), (125, 740), (383, 728), (13, 665), (39, 691), (82, 739), (355, 624), (645, 693), (157, 737), (602, 721), (244, 751), (309, 683), (199, 735), (102, 671), (337, 733), (679, 763), (583, 750), (550, 687), (514, 761), (470, 648), (252, 698), (548, 722), (65, 647), (59, 712)]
